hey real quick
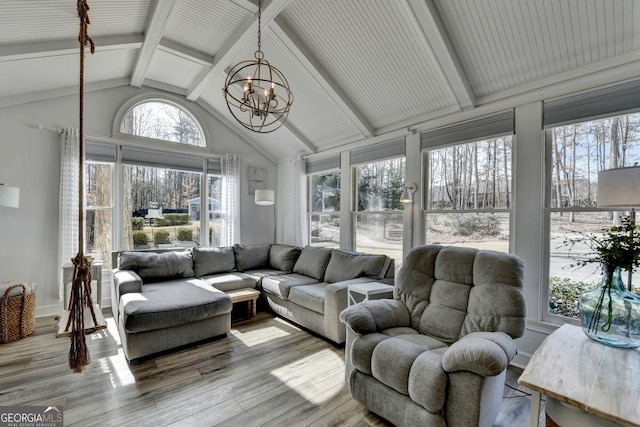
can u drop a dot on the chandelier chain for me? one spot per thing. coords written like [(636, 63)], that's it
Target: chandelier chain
[(256, 92), (259, 32)]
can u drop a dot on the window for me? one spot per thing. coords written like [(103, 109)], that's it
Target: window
[(379, 215), (576, 153), (162, 120), (160, 207), (324, 208), (99, 209), (469, 194)]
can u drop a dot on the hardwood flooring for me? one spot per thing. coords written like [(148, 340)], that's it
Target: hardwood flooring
[(267, 372)]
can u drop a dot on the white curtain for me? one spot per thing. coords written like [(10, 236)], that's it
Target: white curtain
[(68, 224), (230, 228), (300, 200)]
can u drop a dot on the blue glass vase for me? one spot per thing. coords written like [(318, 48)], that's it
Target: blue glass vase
[(609, 313)]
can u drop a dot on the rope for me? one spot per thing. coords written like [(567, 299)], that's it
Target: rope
[(81, 284)]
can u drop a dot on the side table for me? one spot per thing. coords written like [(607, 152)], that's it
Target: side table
[(586, 383), (368, 291), (67, 278), (245, 294)]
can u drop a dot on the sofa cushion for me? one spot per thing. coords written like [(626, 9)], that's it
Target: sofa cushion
[(231, 281), (280, 286), (154, 267), (213, 260), (173, 303), (251, 257), (309, 296), (345, 265), (313, 261), (283, 257)]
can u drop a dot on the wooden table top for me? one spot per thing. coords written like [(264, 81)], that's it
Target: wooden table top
[(599, 379)]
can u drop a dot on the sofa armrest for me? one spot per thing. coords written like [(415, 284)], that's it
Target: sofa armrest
[(335, 300), (376, 315), (126, 281), (483, 353)]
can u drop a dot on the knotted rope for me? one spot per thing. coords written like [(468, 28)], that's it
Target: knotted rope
[(81, 284)]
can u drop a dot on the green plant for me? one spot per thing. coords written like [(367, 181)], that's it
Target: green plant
[(184, 234), (619, 246), (172, 219), (161, 237), (139, 237), (137, 223), (467, 225), (564, 295)]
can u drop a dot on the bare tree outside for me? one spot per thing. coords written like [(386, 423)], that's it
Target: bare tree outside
[(379, 226), (578, 152), (324, 209), (469, 192), (175, 193)]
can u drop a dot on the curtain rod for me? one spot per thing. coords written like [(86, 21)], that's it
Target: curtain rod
[(50, 129)]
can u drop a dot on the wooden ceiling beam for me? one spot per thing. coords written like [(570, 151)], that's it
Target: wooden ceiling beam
[(152, 37), (37, 50), (430, 23), (246, 33)]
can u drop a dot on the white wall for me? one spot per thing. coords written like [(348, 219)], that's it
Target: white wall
[(30, 160)]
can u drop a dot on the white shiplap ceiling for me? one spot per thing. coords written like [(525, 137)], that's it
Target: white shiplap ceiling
[(359, 69)]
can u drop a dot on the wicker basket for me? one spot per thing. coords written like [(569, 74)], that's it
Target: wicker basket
[(17, 313)]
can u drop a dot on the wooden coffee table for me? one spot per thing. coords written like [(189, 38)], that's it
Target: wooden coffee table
[(585, 382), (245, 294)]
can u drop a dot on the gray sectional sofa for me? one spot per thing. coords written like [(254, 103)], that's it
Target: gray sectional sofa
[(166, 299)]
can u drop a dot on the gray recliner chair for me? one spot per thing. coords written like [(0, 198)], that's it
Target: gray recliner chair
[(436, 354)]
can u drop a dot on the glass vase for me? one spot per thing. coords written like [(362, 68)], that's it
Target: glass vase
[(609, 313)]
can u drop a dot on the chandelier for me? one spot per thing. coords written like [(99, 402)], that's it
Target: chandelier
[(257, 93)]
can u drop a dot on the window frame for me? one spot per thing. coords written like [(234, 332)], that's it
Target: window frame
[(355, 212), (159, 143), (311, 213), (549, 210), (425, 186)]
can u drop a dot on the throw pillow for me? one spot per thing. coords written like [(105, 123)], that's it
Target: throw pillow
[(153, 266), (313, 261), (251, 257), (213, 260), (283, 257), (345, 265)]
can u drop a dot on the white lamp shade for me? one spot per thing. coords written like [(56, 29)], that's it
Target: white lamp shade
[(619, 188), (405, 197), (9, 196), (265, 197)]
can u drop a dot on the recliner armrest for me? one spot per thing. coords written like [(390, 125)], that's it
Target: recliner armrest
[(483, 353), (126, 281), (372, 316)]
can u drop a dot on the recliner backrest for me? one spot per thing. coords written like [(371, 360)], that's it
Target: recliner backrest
[(453, 291)]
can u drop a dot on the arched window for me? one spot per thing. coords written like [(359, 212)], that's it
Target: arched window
[(163, 120)]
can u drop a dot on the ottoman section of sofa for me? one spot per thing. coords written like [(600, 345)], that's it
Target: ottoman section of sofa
[(164, 305), (226, 282)]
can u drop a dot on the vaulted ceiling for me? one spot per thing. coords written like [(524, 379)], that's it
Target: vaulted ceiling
[(360, 70)]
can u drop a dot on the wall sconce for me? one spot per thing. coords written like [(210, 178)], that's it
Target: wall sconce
[(9, 196), (407, 194)]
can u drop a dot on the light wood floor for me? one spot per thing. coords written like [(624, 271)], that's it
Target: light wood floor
[(266, 372)]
